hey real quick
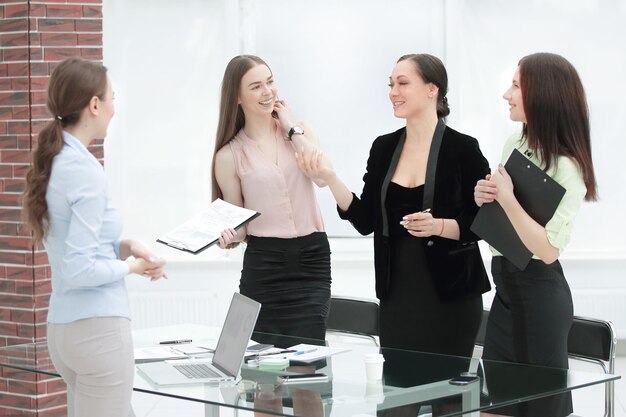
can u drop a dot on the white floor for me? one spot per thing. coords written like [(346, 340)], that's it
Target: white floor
[(588, 402)]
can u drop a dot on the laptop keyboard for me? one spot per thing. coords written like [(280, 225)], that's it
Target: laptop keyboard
[(193, 371)]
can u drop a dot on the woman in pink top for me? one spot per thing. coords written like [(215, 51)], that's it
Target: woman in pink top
[(286, 265)]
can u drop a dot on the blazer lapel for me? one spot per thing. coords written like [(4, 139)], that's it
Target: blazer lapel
[(383, 190), (431, 166)]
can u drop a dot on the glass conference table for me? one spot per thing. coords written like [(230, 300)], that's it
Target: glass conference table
[(412, 380)]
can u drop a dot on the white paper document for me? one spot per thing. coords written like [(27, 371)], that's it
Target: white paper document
[(160, 353), (203, 230)]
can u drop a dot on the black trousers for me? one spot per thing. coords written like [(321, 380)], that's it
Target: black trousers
[(529, 323), (291, 279)]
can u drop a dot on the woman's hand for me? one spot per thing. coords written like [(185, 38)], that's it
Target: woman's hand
[(317, 167), (285, 117), (157, 272), (485, 191), (422, 224), (151, 269), (504, 185), (227, 239), (145, 262)]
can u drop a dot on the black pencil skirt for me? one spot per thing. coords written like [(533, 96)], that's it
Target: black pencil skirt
[(291, 279), (529, 323)]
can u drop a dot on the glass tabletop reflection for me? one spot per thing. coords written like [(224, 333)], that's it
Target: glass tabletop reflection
[(410, 379)]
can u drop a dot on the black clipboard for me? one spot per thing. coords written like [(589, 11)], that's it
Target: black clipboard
[(187, 238), (538, 194)]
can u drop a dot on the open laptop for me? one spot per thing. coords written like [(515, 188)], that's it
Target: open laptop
[(228, 356)]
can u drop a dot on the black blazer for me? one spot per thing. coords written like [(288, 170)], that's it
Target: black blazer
[(456, 267)]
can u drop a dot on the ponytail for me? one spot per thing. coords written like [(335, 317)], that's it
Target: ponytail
[(35, 211)]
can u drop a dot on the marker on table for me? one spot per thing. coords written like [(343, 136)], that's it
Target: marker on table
[(175, 342), (302, 352)]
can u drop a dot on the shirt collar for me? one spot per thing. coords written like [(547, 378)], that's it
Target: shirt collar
[(76, 144)]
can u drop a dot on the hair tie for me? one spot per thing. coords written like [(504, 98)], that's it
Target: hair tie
[(58, 117)]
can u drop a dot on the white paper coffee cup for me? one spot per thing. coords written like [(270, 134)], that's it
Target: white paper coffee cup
[(374, 366)]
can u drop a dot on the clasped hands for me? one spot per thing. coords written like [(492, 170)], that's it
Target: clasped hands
[(145, 263)]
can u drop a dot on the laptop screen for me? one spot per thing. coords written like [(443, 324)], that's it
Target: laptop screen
[(236, 332)]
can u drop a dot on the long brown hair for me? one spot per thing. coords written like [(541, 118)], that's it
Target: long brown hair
[(557, 114), (432, 70), (231, 118), (73, 83)]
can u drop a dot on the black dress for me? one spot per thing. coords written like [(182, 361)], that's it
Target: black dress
[(412, 315)]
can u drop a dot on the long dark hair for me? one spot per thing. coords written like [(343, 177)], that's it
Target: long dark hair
[(432, 70), (231, 118), (557, 115), (73, 83)]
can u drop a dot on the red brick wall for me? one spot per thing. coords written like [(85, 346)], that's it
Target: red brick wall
[(34, 36)]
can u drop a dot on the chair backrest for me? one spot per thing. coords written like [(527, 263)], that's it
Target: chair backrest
[(591, 340), (355, 316), (594, 340)]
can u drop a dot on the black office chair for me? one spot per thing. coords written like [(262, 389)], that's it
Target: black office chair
[(354, 316), (593, 340), (590, 340)]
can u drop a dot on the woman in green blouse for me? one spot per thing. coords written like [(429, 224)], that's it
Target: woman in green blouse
[(532, 311)]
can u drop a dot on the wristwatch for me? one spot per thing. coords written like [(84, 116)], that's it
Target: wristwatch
[(295, 130)]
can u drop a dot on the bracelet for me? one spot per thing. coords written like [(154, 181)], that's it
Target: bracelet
[(443, 222)]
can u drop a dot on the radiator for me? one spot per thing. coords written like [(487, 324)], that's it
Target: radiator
[(205, 307), (603, 304)]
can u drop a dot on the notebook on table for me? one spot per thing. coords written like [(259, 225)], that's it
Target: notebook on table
[(227, 359)]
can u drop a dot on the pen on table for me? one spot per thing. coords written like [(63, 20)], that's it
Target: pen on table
[(255, 356), (275, 353), (175, 342), (302, 352)]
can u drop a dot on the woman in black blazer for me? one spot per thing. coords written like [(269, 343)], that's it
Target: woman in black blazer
[(418, 200)]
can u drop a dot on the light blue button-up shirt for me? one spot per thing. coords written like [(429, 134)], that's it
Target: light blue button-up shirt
[(83, 240)]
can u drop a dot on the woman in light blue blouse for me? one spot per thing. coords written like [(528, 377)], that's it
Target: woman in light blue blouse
[(532, 311), (67, 206)]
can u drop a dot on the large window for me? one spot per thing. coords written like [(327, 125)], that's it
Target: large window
[(331, 61)]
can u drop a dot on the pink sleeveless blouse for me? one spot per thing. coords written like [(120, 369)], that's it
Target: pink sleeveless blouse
[(280, 192)]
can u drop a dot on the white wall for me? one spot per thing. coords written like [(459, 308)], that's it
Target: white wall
[(331, 61)]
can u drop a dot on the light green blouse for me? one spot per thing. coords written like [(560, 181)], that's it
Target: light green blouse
[(567, 173)]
